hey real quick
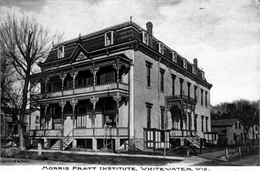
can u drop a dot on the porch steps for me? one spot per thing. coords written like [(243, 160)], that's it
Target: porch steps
[(195, 140), (56, 146), (66, 142)]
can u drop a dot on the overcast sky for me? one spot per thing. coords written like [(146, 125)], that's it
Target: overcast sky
[(224, 35)]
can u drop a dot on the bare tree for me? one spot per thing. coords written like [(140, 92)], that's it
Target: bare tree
[(25, 43)]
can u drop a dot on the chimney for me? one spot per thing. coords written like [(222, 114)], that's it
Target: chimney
[(195, 62), (149, 28)]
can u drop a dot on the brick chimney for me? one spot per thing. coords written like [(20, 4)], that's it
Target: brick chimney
[(149, 28), (195, 62)]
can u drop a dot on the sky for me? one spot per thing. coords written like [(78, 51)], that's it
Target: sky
[(224, 35)]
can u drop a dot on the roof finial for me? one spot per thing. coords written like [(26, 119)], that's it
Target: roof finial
[(79, 35), (130, 19)]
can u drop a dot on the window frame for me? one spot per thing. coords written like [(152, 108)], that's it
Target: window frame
[(148, 73), (112, 38), (161, 48), (173, 84), (61, 54), (145, 34), (201, 96), (148, 114), (162, 71)]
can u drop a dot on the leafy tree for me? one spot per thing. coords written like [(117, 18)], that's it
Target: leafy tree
[(24, 43)]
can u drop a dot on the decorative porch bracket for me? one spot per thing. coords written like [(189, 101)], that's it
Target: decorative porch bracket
[(117, 98), (74, 74), (94, 101), (62, 105), (63, 77), (117, 66), (45, 105), (45, 84), (94, 71), (73, 103)]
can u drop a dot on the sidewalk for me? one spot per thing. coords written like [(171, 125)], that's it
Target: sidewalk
[(216, 154), (110, 154)]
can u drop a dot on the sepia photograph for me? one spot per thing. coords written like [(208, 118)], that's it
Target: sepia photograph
[(130, 85)]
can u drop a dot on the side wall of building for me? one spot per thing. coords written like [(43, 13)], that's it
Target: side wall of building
[(152, 96)]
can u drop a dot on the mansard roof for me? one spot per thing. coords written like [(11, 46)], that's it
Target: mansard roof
[(128, 35)]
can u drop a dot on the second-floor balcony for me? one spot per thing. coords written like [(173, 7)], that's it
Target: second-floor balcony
[(88, 89)]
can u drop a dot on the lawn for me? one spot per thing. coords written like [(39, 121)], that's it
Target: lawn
[(95, 159)]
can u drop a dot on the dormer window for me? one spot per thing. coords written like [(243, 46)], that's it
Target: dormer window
[(184, 63), (61, 52), (174, 57), (145, 38), (109, 38), (193, 69), (202, 75), (161, 48)]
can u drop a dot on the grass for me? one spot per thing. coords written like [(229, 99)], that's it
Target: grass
[(95, 159)]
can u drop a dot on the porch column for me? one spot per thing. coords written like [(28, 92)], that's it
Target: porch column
[(117, 98), (73, 75), (62, 104), (45, 115), (94, 71), (62, 77), (45, 84), (94, 101), (73, 103)]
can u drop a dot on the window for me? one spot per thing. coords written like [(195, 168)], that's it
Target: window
[(149, 109), (207, 124), (202, 123), (164, 119), (184, 63), (190, 123), (81, 116), (256, 128), (174, 56), (235, 137), (161, 48), (145, 38), (235, 125), (181, 82), (194, 69), (107, 77), (201, 97), (148, 73), (239, 125), (188, 84), (173, 84), (195, 93), (109, 38), (195, 122), (162, 79), (61, 52), (206, 98)]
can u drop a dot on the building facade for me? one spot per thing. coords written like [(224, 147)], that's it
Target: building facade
[(120, 87), (230, 131)]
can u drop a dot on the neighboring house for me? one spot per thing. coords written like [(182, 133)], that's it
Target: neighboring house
[(253, 135), (118, 85), (10, 129), (230, 131)]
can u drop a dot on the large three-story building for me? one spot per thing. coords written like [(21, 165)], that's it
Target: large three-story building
[(119, 86)]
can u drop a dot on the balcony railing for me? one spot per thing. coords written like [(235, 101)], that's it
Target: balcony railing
[(101, 132), (45, 133), (81, 90), (84, 132)]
